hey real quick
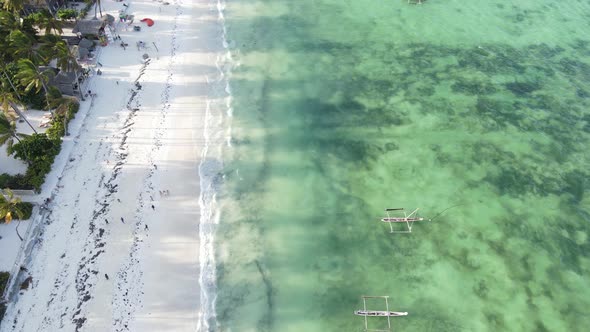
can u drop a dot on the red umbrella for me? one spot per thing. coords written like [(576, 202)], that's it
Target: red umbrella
[(149, 21)]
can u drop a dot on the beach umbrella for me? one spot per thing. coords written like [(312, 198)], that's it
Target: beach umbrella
[(149, 21)]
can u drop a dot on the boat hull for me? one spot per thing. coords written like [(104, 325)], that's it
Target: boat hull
[(371, 313), (391, 219)]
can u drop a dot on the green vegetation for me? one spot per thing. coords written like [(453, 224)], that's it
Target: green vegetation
[(85, 10), (67, 14), (38, 151), (10, 207), (28, 42), (26, 208), (3, 280), (2, 310), (14, 181)]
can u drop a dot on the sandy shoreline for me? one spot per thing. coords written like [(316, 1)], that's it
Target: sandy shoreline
[(108, 217)]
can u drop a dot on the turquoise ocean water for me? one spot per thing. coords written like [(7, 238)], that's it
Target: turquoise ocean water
[(344, 108)]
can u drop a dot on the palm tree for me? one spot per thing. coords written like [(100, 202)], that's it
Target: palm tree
[(9, 206), (49, 23), (9, 21), (8, 133), (8, 100), (30, 77), (8, 78), (51, 11), (25, 47), (14, 5), (66, 60), (99, 5), (63, 110), (6, 75)]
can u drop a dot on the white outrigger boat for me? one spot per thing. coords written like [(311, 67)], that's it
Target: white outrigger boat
[(378, 313), (409, 219)]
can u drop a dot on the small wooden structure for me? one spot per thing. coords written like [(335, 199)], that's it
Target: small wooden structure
[(409, 219), (378, 313)]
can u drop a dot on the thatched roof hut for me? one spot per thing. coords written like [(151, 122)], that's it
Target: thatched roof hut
[(88, 27), (64, 82)]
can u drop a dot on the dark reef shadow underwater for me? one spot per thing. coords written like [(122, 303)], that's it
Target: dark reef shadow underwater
[(345, 108)]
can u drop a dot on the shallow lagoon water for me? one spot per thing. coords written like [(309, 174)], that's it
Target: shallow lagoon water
[(343, 108)]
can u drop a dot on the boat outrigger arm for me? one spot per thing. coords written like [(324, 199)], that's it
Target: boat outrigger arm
[(409, 219), (377, 313)]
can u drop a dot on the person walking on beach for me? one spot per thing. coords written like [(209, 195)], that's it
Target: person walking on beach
[(122, 220), (106, 276), (153, 207)]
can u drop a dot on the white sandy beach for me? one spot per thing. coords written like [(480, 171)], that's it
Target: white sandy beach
[(108, 215)]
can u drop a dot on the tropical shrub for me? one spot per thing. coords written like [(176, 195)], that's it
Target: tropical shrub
[(67, 14), (3, 281), (68, 109), (57, 129), (39, 152), (35, 175), (35, 148), (54, 97), (35, 17), (83, 14), (18, 181), (85, 10), (2, 309), (74, 108)]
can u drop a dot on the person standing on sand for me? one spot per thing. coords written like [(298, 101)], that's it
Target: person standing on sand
[(122, 220)]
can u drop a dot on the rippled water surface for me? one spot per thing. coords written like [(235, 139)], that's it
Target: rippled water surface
[(344, 108)]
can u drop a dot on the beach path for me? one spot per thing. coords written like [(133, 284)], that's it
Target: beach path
[(120, 246)]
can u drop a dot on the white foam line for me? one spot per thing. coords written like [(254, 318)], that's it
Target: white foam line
[(209, 170), (206, 240)]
